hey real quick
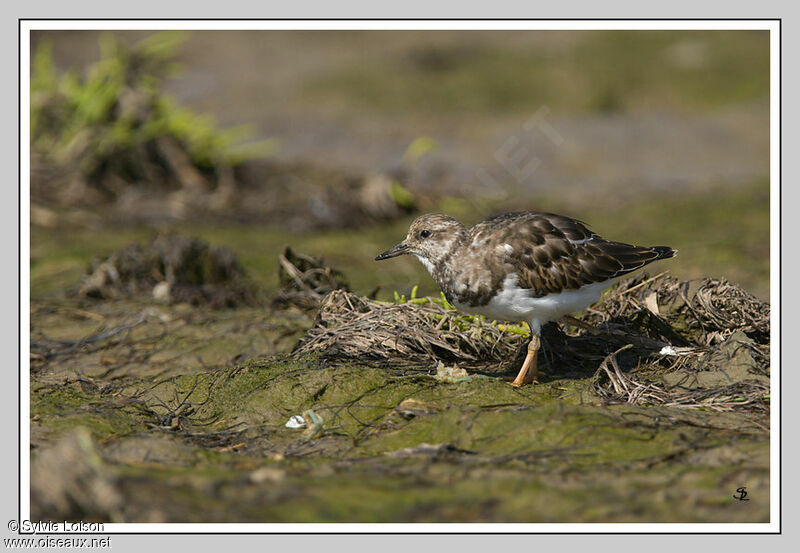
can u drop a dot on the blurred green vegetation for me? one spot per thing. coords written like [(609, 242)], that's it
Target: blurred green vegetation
[(604, 71), (110, 118)]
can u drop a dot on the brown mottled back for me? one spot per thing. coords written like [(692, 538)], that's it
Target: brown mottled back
[(551, 253)]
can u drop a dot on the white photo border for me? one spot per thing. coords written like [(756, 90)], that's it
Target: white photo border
[(771, 25)]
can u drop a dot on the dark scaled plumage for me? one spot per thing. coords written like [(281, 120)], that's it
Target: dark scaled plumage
[(552, 253), (548, 253)]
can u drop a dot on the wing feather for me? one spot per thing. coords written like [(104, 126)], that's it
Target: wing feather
[(552, 253)]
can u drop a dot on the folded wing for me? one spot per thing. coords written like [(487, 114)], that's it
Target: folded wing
[(551, 253)]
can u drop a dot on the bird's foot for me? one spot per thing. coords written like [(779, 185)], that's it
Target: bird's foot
[(528, 373), (520, 383)]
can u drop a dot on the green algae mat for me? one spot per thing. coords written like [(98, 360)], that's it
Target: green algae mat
[(151, 411)]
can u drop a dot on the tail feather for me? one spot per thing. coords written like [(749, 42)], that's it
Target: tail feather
[(631, 258), (664, 252)]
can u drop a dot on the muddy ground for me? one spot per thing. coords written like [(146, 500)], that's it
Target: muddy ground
[(145, 410), (183, 430)]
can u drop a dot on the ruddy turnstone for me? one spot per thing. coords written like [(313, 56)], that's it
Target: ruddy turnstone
[(522, 266)]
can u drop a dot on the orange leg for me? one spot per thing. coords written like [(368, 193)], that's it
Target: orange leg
[(528, 373)]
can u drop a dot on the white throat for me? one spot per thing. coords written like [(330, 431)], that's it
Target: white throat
[(428, 265)]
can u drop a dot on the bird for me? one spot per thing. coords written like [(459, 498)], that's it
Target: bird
[(526, 266)]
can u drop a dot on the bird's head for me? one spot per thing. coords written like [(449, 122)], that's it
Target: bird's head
[(430, 238)]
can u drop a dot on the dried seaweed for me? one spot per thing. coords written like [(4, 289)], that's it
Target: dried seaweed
[(648, 387), (420, 332), (656, 340), (172, 268), (705, 311), (304, 281)]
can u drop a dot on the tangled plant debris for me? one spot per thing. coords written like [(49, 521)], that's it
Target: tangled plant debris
[(724, 363), (419, 332), (304, 281), (704, 312), (653, 340), (172, 268)]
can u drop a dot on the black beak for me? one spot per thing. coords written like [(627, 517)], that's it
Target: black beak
[(399, 249)]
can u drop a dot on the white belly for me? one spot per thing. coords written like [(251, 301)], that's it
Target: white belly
[(516, 304)]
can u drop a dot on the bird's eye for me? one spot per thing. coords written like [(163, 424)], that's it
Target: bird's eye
[(425, 233)]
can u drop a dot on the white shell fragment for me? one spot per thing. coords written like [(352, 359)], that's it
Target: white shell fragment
[(673, 351), (651, 302), (296, 421), (451, 374)]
